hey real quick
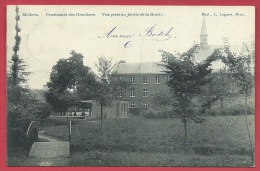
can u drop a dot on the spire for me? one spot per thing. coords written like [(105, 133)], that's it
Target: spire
[(204, 35), (203, 28)]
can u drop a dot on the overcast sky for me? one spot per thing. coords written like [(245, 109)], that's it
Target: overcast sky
[(46, 38)]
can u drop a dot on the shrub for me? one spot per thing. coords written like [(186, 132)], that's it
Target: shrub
[(232, 111), (41, 110), (18, 120), (158, 113), (135, 111)]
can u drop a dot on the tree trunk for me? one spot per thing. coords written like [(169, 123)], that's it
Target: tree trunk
[(221, 105), (67, 116), (185, 133), (101, 113), (117, 110), (248, 133)]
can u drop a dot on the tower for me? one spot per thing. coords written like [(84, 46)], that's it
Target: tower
[(203, 35)]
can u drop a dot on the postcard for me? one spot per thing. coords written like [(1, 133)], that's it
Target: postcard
[(99, 85)]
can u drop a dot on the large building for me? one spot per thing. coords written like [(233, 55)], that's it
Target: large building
[(144, 78), (147, 78)]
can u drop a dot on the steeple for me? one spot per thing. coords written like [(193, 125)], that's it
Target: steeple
[(203, 35)]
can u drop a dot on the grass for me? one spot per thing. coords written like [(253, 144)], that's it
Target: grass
[(136, 141)]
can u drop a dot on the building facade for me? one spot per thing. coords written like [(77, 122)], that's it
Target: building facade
[(147, 78), (144, 79)]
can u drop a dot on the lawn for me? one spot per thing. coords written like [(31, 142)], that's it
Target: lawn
[(136, 141)]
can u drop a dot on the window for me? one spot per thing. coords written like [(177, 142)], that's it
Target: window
[(120, 94), (132, 93), (120, 78), (145, 93), (145, 105), (145, 80), (157, 80), (133, 80), (168, 78), (132, 105)]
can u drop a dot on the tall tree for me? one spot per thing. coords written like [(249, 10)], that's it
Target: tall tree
[(70, 82), (104, 90), (186, 81), (22, 107), (15, 57), (240, 68)]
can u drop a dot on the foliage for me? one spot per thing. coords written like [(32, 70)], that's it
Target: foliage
[(164, 113), (162, 103), (22, 106), (41, 110), (105, 74), (104, 89), (105, 69), (161, 99), (239, 67), (18, 117), (15, 57), (220, 88), (235, 110), (135, 111), (119, 89), (70, 82), (186, 81)]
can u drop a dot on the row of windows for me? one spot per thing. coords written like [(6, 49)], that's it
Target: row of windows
[(145, 79), (132, 93), (132, 105)]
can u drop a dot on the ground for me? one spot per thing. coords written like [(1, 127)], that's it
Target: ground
[(136, 141)]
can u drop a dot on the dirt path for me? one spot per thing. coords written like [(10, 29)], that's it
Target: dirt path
[(51, 152)]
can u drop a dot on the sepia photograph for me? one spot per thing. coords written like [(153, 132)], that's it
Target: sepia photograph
[(115, 85)]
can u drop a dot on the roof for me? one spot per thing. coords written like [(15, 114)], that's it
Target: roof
[(202, 54), (140, 68)]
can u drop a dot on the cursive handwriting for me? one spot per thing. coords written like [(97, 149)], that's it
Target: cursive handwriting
[(150, 33), (111, 34)]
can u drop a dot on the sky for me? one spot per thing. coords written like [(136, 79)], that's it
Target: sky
[(130, 33)]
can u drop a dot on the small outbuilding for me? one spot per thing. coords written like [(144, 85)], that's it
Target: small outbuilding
[(117, 109)]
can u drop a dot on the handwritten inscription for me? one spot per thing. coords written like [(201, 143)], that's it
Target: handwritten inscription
[(150, 33)]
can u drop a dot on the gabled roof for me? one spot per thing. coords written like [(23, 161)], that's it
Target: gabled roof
[(202, 54), (139, 68)]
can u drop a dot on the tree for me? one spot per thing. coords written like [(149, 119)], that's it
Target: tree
[(70, 82), (15, 57), (104, 88), (162, 103), (15, 109), (22, 107), (239, 67), (186, 81), (220, 88)]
